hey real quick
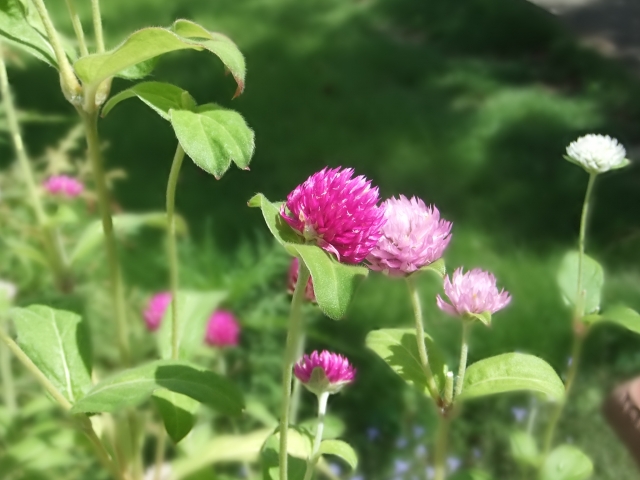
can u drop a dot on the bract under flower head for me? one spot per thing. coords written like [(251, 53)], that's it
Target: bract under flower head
[(63, 185), (413, 236), (324, 372), (293, 279), (597, 153), (223, 330), (474, 292), (155, 309), (337, 212)]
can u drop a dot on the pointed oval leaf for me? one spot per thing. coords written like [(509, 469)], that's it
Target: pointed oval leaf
[(214, 138), (132, 387), (524, 449), (21, 29), (624, 316), (194, 310), (280, 229), (299, 443), (177, 412), (438, 267), (512, 372), (58, 343), (161, 97), (340, 449), (398, 347), (592, 281), (566, 462)]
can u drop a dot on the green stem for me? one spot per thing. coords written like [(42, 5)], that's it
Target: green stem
[(160, 448), (293, 335), (171, 246), (442, 440), (77, 28), (313, 458), (422, 348), (581, 241), (98, 446), (90, 121), (297, 385), (8, 386), (464, 351), (97, 25)]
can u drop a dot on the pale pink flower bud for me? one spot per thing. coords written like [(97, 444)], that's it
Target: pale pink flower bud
[(293, 279), (324, 372), (155, 309), (413, 236), (474, 292), (223, 330), (63, 185), (337, 212)]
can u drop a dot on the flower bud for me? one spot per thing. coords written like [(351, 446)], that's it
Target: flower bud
[(63, 185), (155, 309), (223, 330), (293, 279)]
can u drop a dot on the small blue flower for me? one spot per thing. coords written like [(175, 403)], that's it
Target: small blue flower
[(418, 431), (401, 466), (453, 463), (373, 433), (420, 451), (519, 413), (335, 469), (477, 453), (431, 472), (401, 442)]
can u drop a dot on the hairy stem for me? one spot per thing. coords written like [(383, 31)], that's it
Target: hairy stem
[(77, 28), (97, 25), (297, 385), (293, 336), (442, 440), (313, 458), (464, 351), (171, 246), (581, 240)]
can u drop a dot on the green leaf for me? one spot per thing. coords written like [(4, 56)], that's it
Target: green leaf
[(161, 97), (399, 349), (592, 281), (151, 42), (19, 27), (512, 372), (566, 462), (471, 475), (132, 387), (280, 229), (194, 310), (215, 137), (438, 267), (620, 315), (139, 70), (524, 448), (334, 426), (484, 317), (177, 412), (340, 449), (299, 449), (58, 343)]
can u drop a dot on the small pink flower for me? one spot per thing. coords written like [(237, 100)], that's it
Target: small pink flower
[(63, 185), (414, 236), (293, 279), (223, 330), (336, 371), (472, 292), (337, 212), (155, 309)]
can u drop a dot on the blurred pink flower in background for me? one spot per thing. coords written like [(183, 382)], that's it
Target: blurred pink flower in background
[(155, 309), (63, 185), (413, 236), (223, 329), (337, 369), (472, 292), (293, 279), (337, 212)]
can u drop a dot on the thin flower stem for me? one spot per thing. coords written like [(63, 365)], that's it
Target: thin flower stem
[(422, 349), (464, 351), (8, 386), (97, 25), (77, 28), (313, 458), (171, 246), (293, 335), (297, 385), (442, 440), (90, 121), (98, 446), (581, 241), (160, 448)]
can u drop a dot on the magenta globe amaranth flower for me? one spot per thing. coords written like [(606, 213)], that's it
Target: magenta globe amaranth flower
[(472, 293), (337, 212), (324, 372), (155, 309), (293, 279), (63, 185), (413, 236), (223, 330)]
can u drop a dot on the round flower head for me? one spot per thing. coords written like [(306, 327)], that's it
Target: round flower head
[(155, 309), (324, 372), (413, 236), (472, 293), (293, 279), (597, 153), (63, 185), (337, 212), (223, 330)]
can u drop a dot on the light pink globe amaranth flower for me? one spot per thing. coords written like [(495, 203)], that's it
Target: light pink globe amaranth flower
[(156, 307), (338, 212), (223, 329), (413, 236), (63, 185), (293, 279), (333, 372), (473, 292)]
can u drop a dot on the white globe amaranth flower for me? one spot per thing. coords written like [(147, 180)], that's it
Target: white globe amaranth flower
[(597, 153), (8, 291)]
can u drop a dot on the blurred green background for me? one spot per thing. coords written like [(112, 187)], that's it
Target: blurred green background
[(468, 104)]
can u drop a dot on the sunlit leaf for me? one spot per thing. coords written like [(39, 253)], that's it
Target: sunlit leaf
[(280, 229), (524, 448), (18, 28), (566, 462), (340, 449), (177, 411), (592, 281), (624, 316), (299, 443), (161, 97)]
